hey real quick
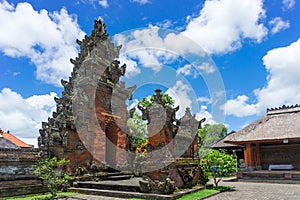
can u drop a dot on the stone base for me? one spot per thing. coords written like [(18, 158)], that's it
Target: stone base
[(183, 173)]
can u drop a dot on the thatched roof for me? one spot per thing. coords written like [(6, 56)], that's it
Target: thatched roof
[(221, 144), (278, 124)]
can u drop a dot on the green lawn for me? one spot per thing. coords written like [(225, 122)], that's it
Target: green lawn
[(42, 196), (201, 193), (204, 193)]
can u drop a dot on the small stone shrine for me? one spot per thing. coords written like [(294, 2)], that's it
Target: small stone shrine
[(172, 151)]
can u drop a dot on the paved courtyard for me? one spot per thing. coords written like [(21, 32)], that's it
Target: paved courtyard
[(241, 191), (259, 191)]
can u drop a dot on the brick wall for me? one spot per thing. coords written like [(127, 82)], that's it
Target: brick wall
[(16, 173)]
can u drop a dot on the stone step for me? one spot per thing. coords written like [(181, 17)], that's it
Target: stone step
[(118, 177), (109, 185), (129, 195), (103, 192), (122, 194), (114, 173)]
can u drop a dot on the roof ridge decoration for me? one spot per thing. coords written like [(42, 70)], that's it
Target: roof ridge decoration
[(283, 109)]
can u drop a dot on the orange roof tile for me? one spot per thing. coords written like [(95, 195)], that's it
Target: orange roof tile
[(15, 140)]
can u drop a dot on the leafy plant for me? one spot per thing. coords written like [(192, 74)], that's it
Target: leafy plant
[(138, 129), (166, 99), (50, 170), (209, 134), (218, 164)]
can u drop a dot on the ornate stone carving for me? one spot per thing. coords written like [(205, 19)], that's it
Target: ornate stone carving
[(95, 66)]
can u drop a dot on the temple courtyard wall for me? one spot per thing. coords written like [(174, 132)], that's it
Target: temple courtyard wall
[(16, 173)]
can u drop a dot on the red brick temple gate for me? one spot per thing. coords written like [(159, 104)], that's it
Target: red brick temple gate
[(89, 124)]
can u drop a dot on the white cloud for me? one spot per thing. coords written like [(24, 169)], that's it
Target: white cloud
[(239, 107), (23, 116), (103, 3), (140, 1), (195, 71), (144, 47), (187, 70), (204, 100), (180, 93), (205, 114), (223, 24), (217, 29), (283, 66), (288, 4), (278, 25), (47, 39)]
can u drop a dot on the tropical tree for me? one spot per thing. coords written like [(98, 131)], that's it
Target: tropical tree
[(218, 164), (138, 129), (166, 99), (51, 171), (209, 134)]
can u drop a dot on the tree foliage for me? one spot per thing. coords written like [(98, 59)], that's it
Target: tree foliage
[(51, 171), (218, 164), (209, 134), (166, 99), (138, 129)]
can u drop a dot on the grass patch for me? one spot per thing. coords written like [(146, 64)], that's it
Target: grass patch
[(201, 193), (42, 196), (204, 193)]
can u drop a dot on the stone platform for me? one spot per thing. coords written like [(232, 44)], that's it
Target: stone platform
[(124, 189), (280, 176)]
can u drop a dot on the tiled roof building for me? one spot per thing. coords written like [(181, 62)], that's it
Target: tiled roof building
[(7, 140)]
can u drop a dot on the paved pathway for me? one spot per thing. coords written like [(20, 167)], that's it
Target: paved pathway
[(259, 191)]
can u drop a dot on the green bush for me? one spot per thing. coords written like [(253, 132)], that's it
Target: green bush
[(50, 170), (218, 164)]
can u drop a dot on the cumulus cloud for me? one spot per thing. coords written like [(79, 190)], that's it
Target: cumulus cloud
[(180, 93), (239, 107), (195, 71), (217, 29), (47, 39), (144, 47), (288, 4), (278, 25), (204, 113), (23, 116), (283, 66), (223, 24)]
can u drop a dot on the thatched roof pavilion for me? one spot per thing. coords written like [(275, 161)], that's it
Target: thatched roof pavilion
[(272, 139)]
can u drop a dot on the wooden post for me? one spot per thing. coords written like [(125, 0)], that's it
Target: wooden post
[(258, 159), (248, 155)]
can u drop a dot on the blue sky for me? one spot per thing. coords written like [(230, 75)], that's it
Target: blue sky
[(229, 60)]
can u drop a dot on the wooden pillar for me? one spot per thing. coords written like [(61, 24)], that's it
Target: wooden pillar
[(258, 159), (248, 155)]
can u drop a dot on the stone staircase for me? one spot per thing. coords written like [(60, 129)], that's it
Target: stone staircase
[(117, 176), (115, 185)]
